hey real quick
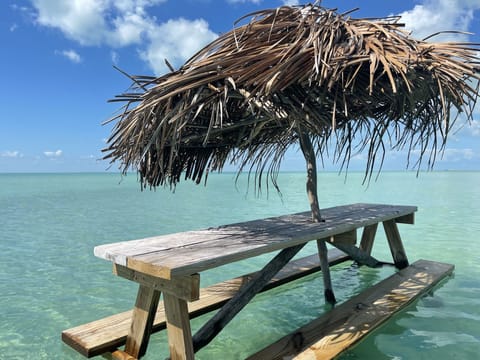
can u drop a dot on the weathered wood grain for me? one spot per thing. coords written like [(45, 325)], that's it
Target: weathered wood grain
[(368, 236), (178, 326), (349, 237), (142, 320), (357, 254), (108, 334), (184, 287), (406, 219), (340, 328), (192, 252), (119, 355)]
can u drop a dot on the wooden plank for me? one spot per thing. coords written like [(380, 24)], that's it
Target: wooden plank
[(368, 236), (193, 252), (349, 238), (395, 244), (183, 287), (119, 355), (142, 320), (358, 255), (345, 325), (245, 242), (406, 219), (178, 328), (119, 251), (108, 334)]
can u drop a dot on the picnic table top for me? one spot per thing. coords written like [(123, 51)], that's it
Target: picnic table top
[(190, 252)]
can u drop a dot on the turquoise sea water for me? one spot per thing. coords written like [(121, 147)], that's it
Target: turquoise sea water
[(50, 280)]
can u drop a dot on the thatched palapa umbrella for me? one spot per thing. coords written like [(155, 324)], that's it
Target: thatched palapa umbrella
[(295, 75)]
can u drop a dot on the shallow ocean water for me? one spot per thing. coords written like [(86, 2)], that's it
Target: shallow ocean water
[(50, 280)]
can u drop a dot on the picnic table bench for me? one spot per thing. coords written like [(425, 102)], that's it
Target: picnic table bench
[(171, 265)]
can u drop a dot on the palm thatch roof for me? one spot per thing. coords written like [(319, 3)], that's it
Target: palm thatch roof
[(292, 72)]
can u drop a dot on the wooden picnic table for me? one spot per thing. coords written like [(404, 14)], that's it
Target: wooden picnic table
[(172, 264)]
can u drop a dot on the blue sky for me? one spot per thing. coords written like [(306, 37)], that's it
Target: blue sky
[(57, 73)]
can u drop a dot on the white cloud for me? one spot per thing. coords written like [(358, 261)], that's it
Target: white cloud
[(13, 27), (53, 154), (116, 23), (11, 154), (454, 155), (474, 128), (71, 55), (88, 157), (176, 40), (19, 8), (244, 1), (82, 21), (120, 23), (115, 57), (290, 2), (440, 15), (464, 129)]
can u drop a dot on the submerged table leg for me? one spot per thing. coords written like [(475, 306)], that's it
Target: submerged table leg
[(327, 280), (142, 320), (395, 243), (178, 328)]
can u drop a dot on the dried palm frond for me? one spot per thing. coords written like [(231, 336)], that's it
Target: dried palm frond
[(253, 92)]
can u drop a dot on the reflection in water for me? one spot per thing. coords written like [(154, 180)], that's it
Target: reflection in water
[(432, 301)]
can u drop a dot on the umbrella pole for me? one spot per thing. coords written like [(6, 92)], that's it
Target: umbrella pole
[(309, 154)]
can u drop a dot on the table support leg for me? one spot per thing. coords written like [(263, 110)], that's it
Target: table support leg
[(368, 236), (178, 328), (358, 255), (142, 320), (395, 243), (327, 281)]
